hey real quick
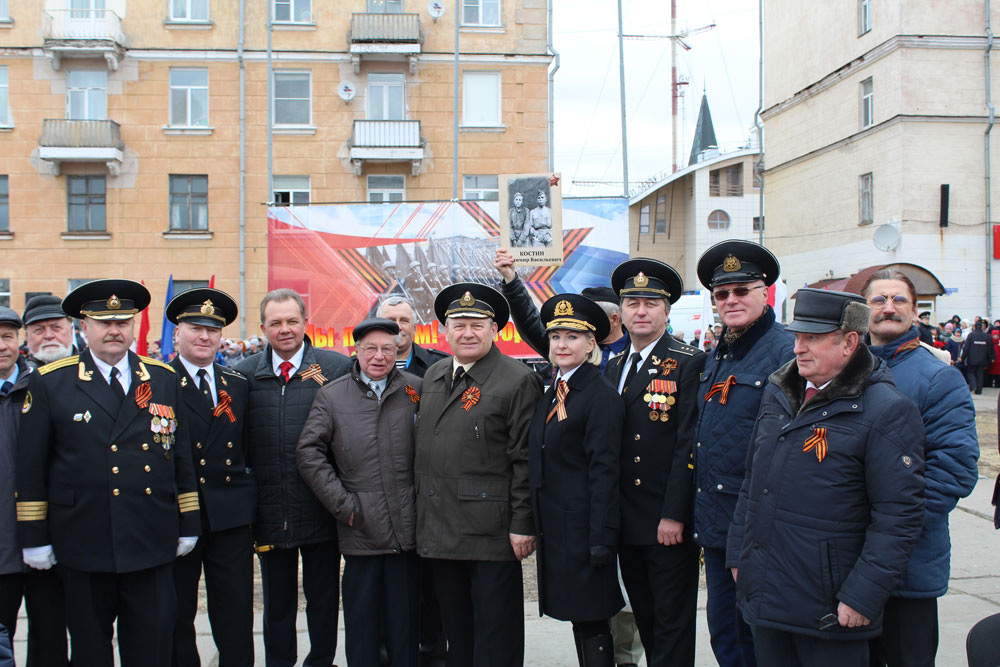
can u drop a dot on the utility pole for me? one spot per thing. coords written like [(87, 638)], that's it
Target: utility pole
[(621, 88)]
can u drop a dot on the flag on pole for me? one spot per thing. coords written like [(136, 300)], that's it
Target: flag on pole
[(211, 281), (167, 337), (777, 295), (142, 346)]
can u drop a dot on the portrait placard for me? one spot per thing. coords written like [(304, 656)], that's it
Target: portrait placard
[(531, 217)]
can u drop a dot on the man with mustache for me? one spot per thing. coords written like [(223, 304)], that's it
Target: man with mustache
[(48, 330), (105, 483), (951, 447)]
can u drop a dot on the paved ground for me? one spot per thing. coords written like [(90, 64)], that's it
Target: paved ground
[(974, 592)]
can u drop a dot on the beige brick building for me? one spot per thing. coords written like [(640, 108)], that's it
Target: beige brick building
[(123, 124)]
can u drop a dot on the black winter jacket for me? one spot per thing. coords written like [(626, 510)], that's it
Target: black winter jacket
[(809, 534), (288, 514)]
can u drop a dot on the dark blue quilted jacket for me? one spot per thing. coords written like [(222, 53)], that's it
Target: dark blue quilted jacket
[(951, 449), (724, 429)]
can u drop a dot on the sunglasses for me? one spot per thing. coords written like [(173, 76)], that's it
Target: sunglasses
[(738, 292), (880, 300)]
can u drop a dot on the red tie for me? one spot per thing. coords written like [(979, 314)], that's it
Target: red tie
[(285, 367), (810, 392)]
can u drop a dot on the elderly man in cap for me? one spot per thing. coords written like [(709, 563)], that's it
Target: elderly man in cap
[(753, 345), (41, 589), (105, 484), (951, 447), (48, 330), (474, 519), (658, 380), (356, 454), (833, 498), (409, 356), (214, 408)]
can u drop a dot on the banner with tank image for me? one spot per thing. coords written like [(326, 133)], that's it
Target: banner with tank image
[(345, 258)]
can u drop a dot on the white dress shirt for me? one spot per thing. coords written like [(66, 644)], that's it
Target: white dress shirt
[(124, 371), (192, 370), (296, 361)]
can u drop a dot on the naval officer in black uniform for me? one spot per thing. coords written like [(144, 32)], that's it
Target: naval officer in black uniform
[(658, 380), (105, 482), (214, 404)]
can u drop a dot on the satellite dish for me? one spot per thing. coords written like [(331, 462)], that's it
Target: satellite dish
[(886, 237), (435, 8), (346, 91)]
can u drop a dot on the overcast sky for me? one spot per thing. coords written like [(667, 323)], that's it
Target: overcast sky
[(723, 61)]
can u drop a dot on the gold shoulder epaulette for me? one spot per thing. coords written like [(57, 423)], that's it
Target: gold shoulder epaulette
[(157, 362), (61, 363), (684, 348), (237, 374)]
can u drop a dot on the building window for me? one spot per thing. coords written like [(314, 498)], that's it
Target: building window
[(87, 203), (644, 219), (864, 16), (86, 95), (292, 98), (189, 10), (867, 103), (385, 6), (866, 198), (483, 188), (758, 226), (481, 12), (189, 97), (181, 286), (4, 204), (188, 203), (383, 189), (291, 190), (5, 292), (4, 10), (726, 182), (758, 169), (481, 99), (386, 97), (293, 11), (660, 218), (4, 97), (718, 220)]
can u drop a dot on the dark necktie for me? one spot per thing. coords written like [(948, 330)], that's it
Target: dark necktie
[(5, 389), (634, 361), (285, 367), (203, 385), (116, 386), (810, 392), (459, 374)]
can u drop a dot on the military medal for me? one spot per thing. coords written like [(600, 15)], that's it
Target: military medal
[(654, 415), (666, 366), (658, 397), (163, 425)]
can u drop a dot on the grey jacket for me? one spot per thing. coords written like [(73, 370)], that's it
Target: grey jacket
[(355, 453)]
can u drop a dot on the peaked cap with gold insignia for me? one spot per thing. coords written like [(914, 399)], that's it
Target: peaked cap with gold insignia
[(203, 306), (737, 261), (109, 299), (648, 279), (576, 313), (471, 300)]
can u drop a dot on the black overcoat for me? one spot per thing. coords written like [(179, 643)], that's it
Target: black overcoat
[(573, 468)]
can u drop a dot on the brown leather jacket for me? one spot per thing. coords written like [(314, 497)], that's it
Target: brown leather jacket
[(356, 454)]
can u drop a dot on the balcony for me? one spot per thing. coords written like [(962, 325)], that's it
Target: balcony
[(386, 141), (385, 37), (83, 33), (81, 141)]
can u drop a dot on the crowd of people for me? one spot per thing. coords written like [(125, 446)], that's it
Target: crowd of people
[(809, 468)]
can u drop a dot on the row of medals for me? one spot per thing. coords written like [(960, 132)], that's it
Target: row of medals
[(662, 402)]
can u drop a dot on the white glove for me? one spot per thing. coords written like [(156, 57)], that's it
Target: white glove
[(40, 558), (185, 545)]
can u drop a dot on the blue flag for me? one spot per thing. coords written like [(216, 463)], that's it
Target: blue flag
[(167, 337)]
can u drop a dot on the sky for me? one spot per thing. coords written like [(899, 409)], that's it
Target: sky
[(722, 61)]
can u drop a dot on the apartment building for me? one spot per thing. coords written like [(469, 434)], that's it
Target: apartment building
[(135, 134)]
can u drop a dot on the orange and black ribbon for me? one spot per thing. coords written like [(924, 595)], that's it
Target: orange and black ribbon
[(315, 373), (412, 393), (142, 395), (470, 397), (225, 400), (817, 442), (721, 388), (559, 409)]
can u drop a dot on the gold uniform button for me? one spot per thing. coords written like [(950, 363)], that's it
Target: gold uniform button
[(148, 491), (115, 492), (145, 447), (229, 445), (147, 468), (198, 445), (114, 470), (202, 462), (637, 459), (201, 479), (227, 478), (638, 482), (229, 462), (637, 436), (114, 448)]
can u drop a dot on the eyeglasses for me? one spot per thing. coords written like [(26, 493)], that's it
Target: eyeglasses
[(372, 350), (738, 292), (879, 300)]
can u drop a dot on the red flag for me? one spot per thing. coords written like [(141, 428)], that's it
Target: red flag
[(142, 347), (211, 281)]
